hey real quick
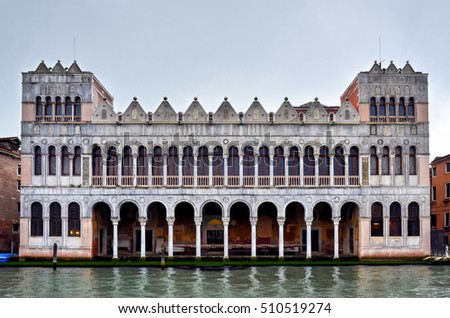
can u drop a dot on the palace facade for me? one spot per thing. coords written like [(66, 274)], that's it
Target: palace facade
[(308, 181)]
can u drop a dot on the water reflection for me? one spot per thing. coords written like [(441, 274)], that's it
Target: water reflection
[(351, 281)]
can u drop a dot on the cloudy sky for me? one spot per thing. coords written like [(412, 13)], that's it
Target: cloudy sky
[(235, 48)]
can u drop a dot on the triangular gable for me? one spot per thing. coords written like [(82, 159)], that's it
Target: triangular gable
[(195, 113), (375, 68), (165, 113), (408, 68), (74, 68), (226, 113), (392, 68), (255, 113), (42, 68), (316, 112), (104, 113), (134, 112), (286, 113), (58, 68), (347, 113)]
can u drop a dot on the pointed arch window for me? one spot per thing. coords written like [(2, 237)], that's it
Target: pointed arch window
[(39, 109), (412, 161), (58, 109), (172, 164), (203, 162), (373, 161), (77, 109), (392, 108), (309, 162), (264, 161), (398, 164), (37, 222), (111, 162), (157, 162), (127, 161), (339, 161), (385, 161), (48, 108), (401, 109), (65, 161), (324, 161), (218, 162), (55, 219), (278, 162), (294, 161), (413, 219), (395, 219), (249, 161), (142, 162), (97, 161), (376, 221), (411, 112), (73, 224), (51, 160), (188, 161), (68, 109), (76, 161), (233, 161), (373, 108), (37, 161), (382, 107), (353, 162)]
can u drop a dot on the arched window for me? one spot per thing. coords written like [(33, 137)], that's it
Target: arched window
[(97, 161), (278, 161), (218, 162), (373, 107), (203, 162), (264, 161), (347, 114), (373, 161), (376, 222), (302, 117), (55, 219), (382, 107), (385, 161), (65, 161), (37, 161), (51, 160), (104, 114), (77, 109), (233, 161), (58, 109), (172, 164), (127, 161), (157, 162), (402, 108), (294, 161), (398, 166), (324, 161), (309, 162), (188, 161), (37, 222), (331, 117), (142, 162), (392, 107), (39, 109), (353, 162), (249, 161), (48, 108), (68, 109), (339, 161), (73, 225), (395, 219), (111, 162), (412, 161), (76, 161), (411, 112), (413, 219)]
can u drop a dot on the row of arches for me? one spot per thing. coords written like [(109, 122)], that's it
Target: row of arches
[(380, 163), (391, 109), (70, 162), (59, 109)]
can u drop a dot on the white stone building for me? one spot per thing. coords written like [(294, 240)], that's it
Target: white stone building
[(308, 181)]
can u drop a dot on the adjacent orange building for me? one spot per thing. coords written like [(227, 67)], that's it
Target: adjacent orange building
[(440, 193)]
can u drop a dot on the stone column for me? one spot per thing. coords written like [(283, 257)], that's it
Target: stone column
[(316, 169), (281, 221), (331, 169), (143, 223), (241, 169), (198, 237), (58, 168), (405, 228), (286, 170), (210, 169), (391, 169), (195, 173), (386, 230), (119, 168), (64, 222), (226, 222), (115, 223), (256, 165), (45, 228), (271, 167), (346, 169), (180, 170), (71, 156), (308, 222), (165, 167), (170, 222), (134, 173), (300, 168), (225, 170), (336, 237), (253, 221)]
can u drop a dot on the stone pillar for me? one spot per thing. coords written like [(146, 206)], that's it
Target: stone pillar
[(210, 170), (386, 230), (45, 229), (405, 227), (300, 168), (316, 169), (195, 172), (336, 237), (64, 231), (71, 156), (115, 223), (281, 221), (143, 223), (134, 174), (346, 169), (58, 168), (253, 221), (271, 167), (170, 222), (241, 169), (180, 170), (286, 169), (198, 237), (331, 169), (165, 167), (391, 168), (119, 168), (308, 222), (225, 170), (256, 164), (226, 222)]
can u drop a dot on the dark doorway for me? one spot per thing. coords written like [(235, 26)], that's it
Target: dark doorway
[(314, 240), (148, 240)]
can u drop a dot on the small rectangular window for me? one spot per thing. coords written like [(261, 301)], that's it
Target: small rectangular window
[(447, 219), (447, 167), (18, 207), (447, 190), (18, 185), (19, 170), (373, 129), (15, 228), (433, 220), (433, 194), (433, 171)]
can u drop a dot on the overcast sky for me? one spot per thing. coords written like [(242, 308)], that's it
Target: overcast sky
[(235, 48)]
